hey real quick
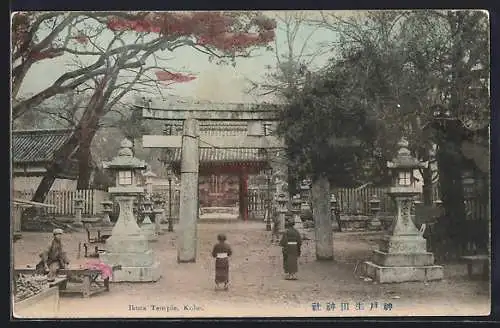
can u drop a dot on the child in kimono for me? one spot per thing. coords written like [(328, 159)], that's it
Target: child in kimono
[(221, 252)]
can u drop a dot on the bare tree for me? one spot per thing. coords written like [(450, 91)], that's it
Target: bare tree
[(119, 44)]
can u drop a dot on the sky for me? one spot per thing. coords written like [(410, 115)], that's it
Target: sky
[(219, 83)]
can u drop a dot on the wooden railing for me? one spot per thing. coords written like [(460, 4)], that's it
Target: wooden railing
[(63, 200)]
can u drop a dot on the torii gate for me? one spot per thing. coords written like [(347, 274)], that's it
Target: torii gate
[(189, 142)]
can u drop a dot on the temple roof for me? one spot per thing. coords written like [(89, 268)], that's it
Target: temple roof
[(34, 146), (214, 155), (219, 128)]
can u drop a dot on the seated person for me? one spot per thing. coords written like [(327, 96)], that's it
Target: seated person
[(53, 258)]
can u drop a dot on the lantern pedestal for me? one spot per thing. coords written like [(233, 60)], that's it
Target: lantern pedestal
[(128, 247), (158, 214), (403, 255), (148, 228)]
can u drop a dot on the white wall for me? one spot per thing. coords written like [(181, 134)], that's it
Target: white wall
[(31, 183)]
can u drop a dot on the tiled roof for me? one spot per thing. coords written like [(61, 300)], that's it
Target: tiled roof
[(227, 128), (37, 145), (211, 155)]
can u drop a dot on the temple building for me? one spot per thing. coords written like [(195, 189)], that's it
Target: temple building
[(226, 174), (32, 151)]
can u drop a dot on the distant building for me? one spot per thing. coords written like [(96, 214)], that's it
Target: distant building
[(32, 151), (226, 174)]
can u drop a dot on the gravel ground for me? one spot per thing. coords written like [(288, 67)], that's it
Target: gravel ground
[(257, 284)]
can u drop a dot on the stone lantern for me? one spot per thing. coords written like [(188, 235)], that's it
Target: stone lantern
[(107, 209), (374, 223), (305, 190), (282, 210), (147, 227), (296, 213), (78, 206), (158, 214), (403, 255), (127, 246), (149, 176), (334, 210)]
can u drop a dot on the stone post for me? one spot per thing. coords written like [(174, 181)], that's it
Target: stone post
[(78, 206), (147, 227), (403, 255), (17, 212), (188, 212), (374, 223), (107, 209), (334, 213)]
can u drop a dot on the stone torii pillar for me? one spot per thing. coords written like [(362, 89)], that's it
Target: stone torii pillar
[(189, 200)]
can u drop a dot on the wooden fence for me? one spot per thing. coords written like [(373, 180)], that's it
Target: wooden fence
[(63, 200), (350, 200), (355, 200)]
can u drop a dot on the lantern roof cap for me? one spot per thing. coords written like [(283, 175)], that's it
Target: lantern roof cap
[(149, 173), (404, 159), (125, 158)]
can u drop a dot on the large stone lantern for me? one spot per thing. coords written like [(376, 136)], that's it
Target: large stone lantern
[(403, 255), (127, 246)]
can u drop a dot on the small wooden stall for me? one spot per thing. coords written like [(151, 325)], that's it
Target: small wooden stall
[(83, 281), (18, 205)]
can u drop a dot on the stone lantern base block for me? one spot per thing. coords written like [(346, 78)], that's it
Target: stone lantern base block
[(403, 244), (402, 259), (138, 274), (397, 274)]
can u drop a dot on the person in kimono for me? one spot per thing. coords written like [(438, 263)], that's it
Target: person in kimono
[(221, 252), (290, 243), (53, 258)]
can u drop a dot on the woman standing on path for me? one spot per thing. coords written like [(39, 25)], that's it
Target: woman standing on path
[(221, 252), (291, 243)]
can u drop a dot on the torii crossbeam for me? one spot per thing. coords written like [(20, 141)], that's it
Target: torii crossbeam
[(190, 144)]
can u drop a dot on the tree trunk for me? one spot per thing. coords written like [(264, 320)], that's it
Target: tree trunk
[(88, 126), (54, 168), (451, 192), (44, 186), (322, 218), (84, 168)]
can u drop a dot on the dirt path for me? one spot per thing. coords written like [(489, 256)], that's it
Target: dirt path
[(257, 284)]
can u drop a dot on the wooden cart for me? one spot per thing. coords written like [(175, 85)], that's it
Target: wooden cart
[(82, 281)]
